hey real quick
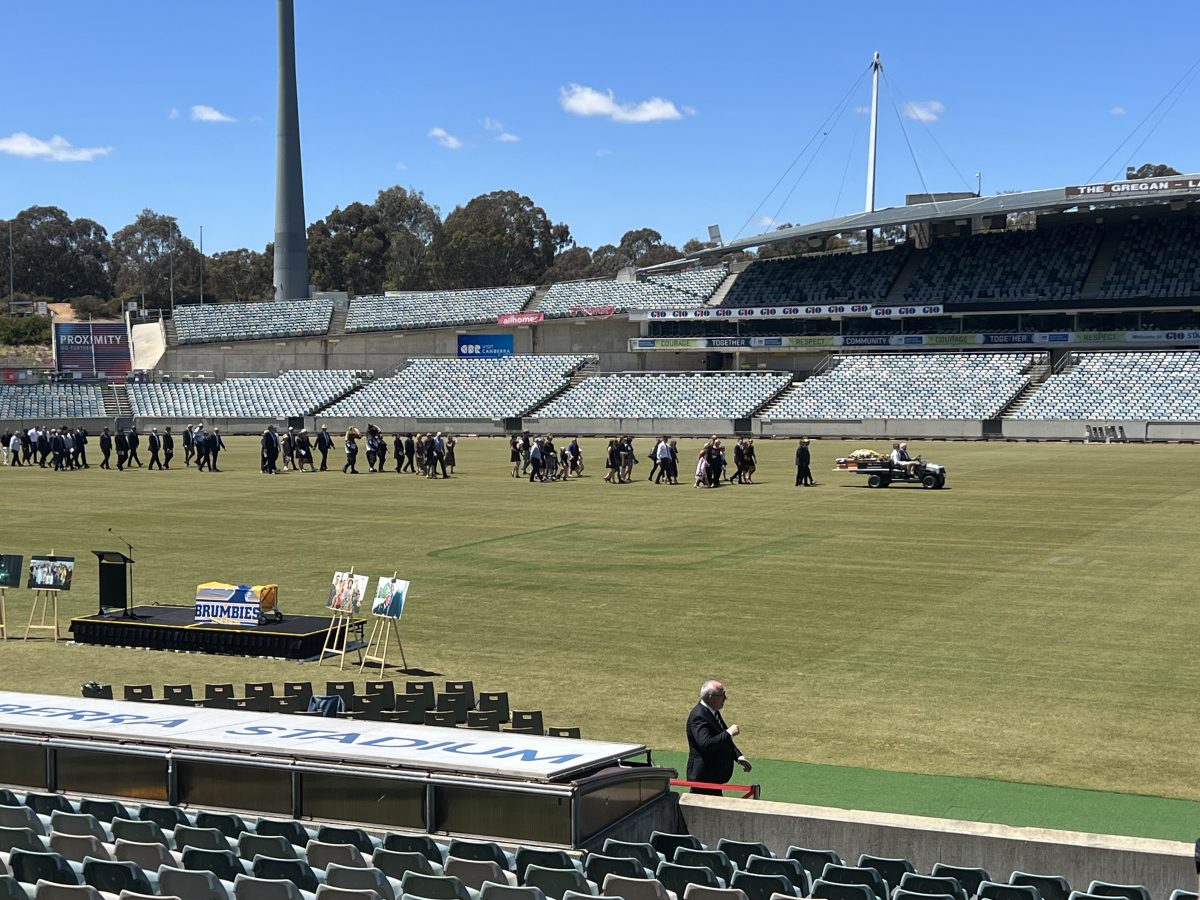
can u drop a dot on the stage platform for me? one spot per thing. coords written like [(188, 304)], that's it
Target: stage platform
[(173, 628)]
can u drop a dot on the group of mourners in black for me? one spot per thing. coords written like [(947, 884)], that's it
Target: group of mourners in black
[(65, 448), (422, 454), (537, 457)]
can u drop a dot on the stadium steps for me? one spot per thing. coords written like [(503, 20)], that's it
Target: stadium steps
[(764, 411), (718, 296), (1038, 373), (896, 293), (582, 373), (1093, 283), (366, 379), (171, 334), (116, 401), (536, 300), (337, 322)]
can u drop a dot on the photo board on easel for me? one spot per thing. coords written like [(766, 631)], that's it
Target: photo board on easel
[(386, 608), (390, 594), (346, 593), (48, 576), (11, 570)]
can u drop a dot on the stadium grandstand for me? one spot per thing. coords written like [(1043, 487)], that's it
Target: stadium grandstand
[(435, 309), (297, 393), (252, 321), (976, 317), (462, 389)]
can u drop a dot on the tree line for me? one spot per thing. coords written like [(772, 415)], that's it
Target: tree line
[(399, 242)]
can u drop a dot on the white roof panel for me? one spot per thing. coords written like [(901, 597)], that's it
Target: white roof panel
[(410, 747)]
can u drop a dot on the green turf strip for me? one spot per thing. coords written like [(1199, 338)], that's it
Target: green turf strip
[(970, 799)]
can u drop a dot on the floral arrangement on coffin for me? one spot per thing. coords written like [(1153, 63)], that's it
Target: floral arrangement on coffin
[(858, 458)]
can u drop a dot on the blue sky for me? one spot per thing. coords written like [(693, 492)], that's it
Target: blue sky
[(610, 116)]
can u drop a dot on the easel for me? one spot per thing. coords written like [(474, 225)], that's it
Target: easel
[(46, 598), (3, 617), (339, 623), (384, 629)]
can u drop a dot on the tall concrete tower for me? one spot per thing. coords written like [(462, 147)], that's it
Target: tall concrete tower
[(291, 241)]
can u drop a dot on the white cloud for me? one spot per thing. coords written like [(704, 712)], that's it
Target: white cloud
[(924, 110), (580, 100), (57, 149), (603, 152), (400, 166), (862, 109), (445, 138), (204, 113), (174, 113), (1117, 111), (767, 222), (496, 125)]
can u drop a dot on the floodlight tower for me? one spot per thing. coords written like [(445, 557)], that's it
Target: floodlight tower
[(291, 242), (876, 65)]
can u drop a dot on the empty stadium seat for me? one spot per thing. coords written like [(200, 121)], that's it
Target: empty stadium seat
[(434, 309), (825, 278), (1127, 891), (1050, 887)]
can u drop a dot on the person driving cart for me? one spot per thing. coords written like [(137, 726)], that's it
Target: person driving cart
[(901, 459)]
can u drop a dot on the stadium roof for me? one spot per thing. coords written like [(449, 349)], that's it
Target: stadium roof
[(1178, 187)]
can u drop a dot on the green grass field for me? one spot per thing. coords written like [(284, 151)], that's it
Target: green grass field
[(1032, 623)]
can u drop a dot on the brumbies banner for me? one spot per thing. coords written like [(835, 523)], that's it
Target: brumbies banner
[(342, 740), (92, 347)]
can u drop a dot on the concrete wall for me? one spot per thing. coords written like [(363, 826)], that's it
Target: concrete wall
[(875, 429), (1076, 430), (1162, 866)]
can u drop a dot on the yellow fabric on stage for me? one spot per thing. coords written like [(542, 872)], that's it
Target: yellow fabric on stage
[(268, 594)]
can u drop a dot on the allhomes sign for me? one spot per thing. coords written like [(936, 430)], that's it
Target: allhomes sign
[(521, 318)]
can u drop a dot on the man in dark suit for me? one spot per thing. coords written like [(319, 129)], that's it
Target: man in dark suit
[(324, 445), (168, 445), (122, 450), (135, 441), (188, 450), (81, 439), (154, 445), (215, 446), (270, 451), (803, 459), (711, 750), (105, 448), (410, 452)]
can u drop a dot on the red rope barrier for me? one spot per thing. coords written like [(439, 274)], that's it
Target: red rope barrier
[(752, 791)]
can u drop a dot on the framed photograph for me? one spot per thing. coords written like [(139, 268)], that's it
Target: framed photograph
[(347, 591), (51, 573), (11, 569), (389, 598)]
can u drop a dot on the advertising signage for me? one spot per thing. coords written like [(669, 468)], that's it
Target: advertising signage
[(100, 348), (485, 346)]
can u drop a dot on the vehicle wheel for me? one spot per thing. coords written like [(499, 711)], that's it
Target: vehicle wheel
[(929, 481), (941, 482), (885, 482), (874, 481)]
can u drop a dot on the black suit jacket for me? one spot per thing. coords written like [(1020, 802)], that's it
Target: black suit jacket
[(711, 750)]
